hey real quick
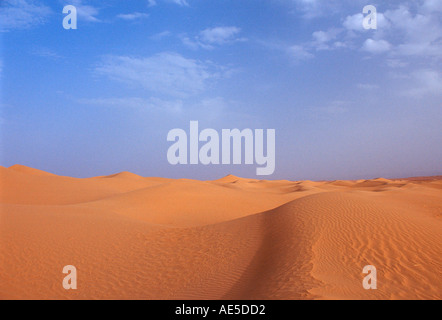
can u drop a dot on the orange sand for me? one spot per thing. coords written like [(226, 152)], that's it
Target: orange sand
[(152, 238)]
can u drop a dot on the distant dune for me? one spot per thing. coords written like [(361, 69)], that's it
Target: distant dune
[(132, 237)]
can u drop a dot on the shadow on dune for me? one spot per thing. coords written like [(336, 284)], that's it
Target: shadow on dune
[(282, 264)]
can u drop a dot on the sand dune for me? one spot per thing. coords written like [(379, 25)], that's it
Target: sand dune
[(132, 237)]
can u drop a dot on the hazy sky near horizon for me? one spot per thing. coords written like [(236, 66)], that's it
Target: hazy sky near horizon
[(346, 103)]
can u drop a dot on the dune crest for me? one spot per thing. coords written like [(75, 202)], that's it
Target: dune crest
[(29, 170), (124, 175), (132, 237)]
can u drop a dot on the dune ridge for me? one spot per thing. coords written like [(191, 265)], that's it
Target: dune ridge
[(132, 237)]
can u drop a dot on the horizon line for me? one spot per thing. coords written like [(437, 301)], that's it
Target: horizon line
[(36, 171)]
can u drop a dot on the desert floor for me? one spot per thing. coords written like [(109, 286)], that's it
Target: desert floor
[(152, 238)]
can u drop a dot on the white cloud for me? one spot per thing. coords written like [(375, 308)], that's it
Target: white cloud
[(431, 6), (22, 14), (164, 73), (425, 82), (403, 32), (180, 2), (310, 8), (194, 43), (210, 37), (340, 45), (296, 53), (299, 53), (133, 16), (322, 36), (161, 35), (420, 33), (319, 8), (396, 63), (85, 12), (322, 39), (354, 22), (183, 3), (376, 46), (219, 35)]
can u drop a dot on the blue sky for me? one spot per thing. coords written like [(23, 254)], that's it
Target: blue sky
[(346, 103)]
